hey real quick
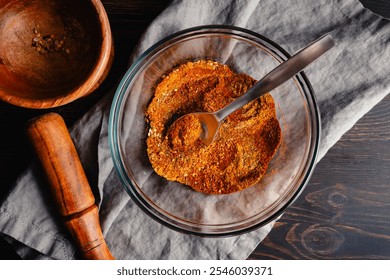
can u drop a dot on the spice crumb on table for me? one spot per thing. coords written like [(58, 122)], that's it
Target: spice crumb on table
[(246, 141)]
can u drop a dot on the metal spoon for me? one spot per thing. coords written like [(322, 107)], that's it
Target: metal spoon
[(210, 122)]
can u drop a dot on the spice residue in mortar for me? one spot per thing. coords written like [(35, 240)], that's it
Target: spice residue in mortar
[(246, 141), (48, 43), (73, 34)]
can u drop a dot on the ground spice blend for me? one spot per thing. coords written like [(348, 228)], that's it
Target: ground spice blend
[(246, 141)]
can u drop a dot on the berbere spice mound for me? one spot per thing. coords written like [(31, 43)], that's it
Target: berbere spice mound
[(246, 141)]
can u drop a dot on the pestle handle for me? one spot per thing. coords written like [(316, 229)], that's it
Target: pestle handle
[(68, 183)]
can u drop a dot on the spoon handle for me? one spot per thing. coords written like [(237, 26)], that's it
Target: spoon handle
[(280, 74)]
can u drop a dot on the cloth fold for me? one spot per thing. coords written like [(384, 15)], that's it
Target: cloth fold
[(348, 81)]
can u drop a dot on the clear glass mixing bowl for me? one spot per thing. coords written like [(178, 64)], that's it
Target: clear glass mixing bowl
[(178, 206)]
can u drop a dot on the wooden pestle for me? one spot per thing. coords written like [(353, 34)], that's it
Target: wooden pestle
[(68, 183)]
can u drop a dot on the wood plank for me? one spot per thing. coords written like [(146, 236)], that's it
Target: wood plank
[(344, 211)]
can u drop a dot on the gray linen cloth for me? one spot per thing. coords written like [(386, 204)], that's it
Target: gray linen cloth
[(348, 81)]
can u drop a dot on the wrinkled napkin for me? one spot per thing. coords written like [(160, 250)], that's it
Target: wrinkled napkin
[(348, 81)]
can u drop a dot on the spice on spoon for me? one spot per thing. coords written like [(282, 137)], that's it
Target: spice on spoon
[(184, 134)]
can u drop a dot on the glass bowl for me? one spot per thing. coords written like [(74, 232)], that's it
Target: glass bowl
[(178, 206)]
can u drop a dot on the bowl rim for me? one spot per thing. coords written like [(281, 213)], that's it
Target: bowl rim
[(96, 76), (115, 149)]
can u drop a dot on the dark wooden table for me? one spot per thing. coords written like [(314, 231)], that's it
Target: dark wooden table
[(343, 212)]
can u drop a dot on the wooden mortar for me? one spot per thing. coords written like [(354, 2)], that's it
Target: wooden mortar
[(52, 52)]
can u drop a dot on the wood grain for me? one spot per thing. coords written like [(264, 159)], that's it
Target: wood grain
[(344, 211)]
